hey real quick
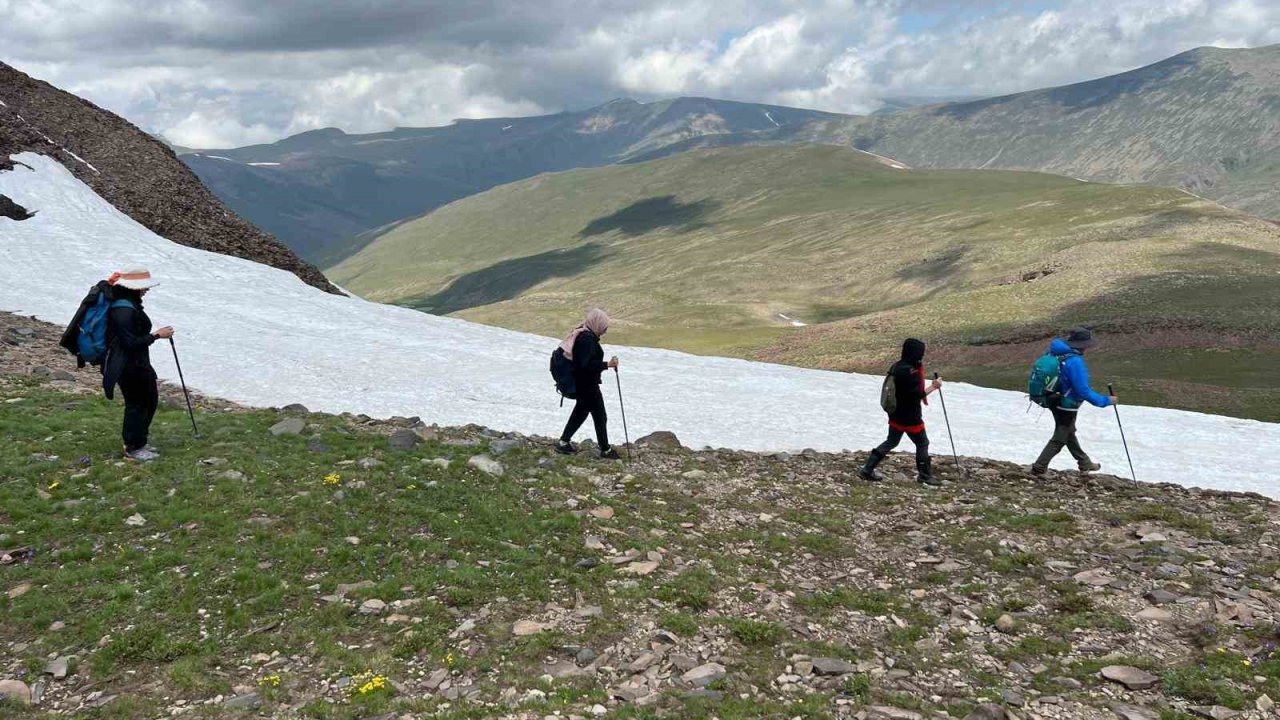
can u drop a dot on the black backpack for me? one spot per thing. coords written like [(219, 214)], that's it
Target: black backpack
[(562, 373)]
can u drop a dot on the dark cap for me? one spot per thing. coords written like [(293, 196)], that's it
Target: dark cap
[(1081, 338)]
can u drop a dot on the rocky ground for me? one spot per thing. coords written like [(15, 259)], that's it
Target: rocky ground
[(302, 565)]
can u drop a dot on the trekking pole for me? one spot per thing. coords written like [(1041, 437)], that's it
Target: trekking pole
[(185, 394), (1111, 391), (954, 454), (625, 435)]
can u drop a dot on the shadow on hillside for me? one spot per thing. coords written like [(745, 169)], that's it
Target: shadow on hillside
[(655, 213), (940, 268), (508, 279)]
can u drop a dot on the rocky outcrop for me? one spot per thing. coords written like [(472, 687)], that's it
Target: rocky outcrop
[(136, 173)]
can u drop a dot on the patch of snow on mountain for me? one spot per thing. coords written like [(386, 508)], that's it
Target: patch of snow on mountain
[(258, 335)]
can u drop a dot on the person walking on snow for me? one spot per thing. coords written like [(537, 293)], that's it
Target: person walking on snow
[(128, 361), (582, 348), (1065, 404), (907, 416)]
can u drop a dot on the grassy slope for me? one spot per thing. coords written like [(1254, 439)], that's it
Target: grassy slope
[(703, 251), (227, 568)]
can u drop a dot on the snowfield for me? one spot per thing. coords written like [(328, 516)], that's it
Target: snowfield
[(257, 335)]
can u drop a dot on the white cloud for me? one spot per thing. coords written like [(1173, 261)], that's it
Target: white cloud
[(220, 72)]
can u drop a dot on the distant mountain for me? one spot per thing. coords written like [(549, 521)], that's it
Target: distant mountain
[(320, 189), (827, 257), (132, 170), (1206, 121)]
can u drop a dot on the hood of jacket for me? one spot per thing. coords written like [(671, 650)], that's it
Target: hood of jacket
[(913, 352), (1060, 347)]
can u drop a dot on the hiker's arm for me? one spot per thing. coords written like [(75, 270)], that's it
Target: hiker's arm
[(933, 386), (122, 327), (1079, 373)]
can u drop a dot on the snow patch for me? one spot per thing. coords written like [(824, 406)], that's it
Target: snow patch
[(220, 157), (261, 336), (264, 164), (886, 160), (775, 122), (794, 323), (507, 127)]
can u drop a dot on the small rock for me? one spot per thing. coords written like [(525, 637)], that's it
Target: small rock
[(1264, 703), (503, 446), (643, 567), (833, 666), (642, 663), (1131, 677), (58, 667), (660, 440), (1215, 712), (888, 712), (19, 590), (403, 439), (1094, 578), (372, 606), (487, 465), (289, 426), (1012, 698), (1161, 597), (987, 711), (135, 520), (316, 445), (585, 656), (368, 463), (704, 675), (1155, 614), (1006, 624), (244, 702), (232, 475), (528, 627), (1133, 712), (15, 690), (694, 475), (562, 669), (604, 512)]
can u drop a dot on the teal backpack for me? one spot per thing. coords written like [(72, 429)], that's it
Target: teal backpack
[(1045, 384)]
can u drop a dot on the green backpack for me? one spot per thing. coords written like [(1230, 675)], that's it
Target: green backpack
[(1045, 384), (889, 394)]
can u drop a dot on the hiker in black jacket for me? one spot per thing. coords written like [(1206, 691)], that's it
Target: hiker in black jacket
[(128, 362), (582, 348), (907, 417)]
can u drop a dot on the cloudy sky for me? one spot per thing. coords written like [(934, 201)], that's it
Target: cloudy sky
[(217, 73)]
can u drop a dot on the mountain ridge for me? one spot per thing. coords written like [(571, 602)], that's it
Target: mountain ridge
[(135, 172)]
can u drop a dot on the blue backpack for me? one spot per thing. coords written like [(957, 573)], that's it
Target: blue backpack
[(1045, 384), (562, 373), (88, 331)]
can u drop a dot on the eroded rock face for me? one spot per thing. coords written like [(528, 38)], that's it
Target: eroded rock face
[(133, 171)]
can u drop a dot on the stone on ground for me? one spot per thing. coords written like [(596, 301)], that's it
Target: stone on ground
[(289, 426), (1131, 677)]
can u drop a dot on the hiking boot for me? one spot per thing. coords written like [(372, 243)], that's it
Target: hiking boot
[(564, 447), (1090, 467), (609, 453), (140, 455), (870, 475), (1037, 471), (928, 479), (148, 447)]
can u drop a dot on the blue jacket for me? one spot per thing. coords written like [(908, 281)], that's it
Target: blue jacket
[(1075, 378)]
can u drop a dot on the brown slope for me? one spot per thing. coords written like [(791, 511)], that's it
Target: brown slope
[(133, 171)]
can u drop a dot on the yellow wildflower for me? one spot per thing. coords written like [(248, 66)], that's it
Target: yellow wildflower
[(54, 485), (332, 479), (270, 681)]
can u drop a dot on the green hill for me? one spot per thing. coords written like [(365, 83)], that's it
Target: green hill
[(723, 251)]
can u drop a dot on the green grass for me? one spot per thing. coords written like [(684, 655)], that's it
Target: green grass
[(706, 251)]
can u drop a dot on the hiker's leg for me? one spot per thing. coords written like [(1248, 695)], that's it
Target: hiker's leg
[(924, 465), (581, 408), (601, 419), (1073, 443), (136, 402), (883, 449), (1063, 422), (152, 401)]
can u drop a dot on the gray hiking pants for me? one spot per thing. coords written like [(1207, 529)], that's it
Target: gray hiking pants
[(1064, 435)]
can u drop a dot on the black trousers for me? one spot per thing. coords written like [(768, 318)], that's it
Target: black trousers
[(590, 402), (1064, 435), (921, 441), (141, 396)]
